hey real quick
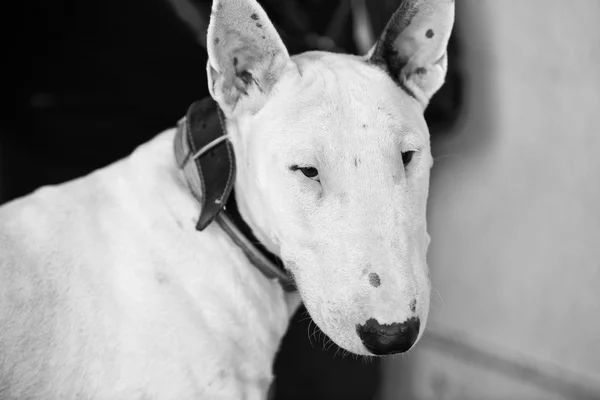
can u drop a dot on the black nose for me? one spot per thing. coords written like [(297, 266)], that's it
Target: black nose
[(383, 339)]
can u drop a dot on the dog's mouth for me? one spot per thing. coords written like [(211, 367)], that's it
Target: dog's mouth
[(363, 318)]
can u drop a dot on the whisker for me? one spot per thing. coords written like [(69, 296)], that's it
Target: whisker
[(304, 318), (441, 298), (309, 335)]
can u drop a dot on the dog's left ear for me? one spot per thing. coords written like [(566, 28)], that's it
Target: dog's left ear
[(412, 47), (246, 56)]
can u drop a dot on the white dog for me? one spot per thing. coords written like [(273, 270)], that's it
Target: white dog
[(134, 283)]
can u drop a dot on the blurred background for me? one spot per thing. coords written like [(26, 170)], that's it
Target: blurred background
[(514, 210)]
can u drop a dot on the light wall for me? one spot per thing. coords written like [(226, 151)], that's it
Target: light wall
[(514, 213)]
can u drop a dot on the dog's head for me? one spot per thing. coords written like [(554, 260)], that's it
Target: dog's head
[(333, 163)]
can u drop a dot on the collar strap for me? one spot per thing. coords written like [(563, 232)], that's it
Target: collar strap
[(207, 159)]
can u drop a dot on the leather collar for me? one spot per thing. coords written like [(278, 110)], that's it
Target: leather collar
[(207, 159)]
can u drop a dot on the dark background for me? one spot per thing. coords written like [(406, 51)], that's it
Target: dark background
[(85, 82)]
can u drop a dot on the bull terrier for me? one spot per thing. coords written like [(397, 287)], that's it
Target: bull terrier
[(173, 273)]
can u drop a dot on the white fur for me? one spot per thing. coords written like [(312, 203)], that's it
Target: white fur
[(107, 291)]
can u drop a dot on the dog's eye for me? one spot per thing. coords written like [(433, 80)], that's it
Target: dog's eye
[(309, 172), (406, 157)]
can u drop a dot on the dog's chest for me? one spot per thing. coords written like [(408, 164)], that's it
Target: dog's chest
[(206, 333), (210, 350), (216, 333), (185, 344)]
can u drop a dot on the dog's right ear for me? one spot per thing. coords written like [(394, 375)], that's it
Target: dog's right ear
[(246, 56)]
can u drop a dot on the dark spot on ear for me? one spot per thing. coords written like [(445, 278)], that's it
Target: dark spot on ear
[(413, 305), (374, 279), (254, 17), (216, 41), (429, 33), (259, 24), (264, 37), (364, 125), (420, 71), (356, 162), (246, 77)]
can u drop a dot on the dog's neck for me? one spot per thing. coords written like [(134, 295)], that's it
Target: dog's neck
[(183, 208), (207, 158)]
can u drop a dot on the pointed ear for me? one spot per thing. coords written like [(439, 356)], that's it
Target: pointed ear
[(246, 56), (412, 47)]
